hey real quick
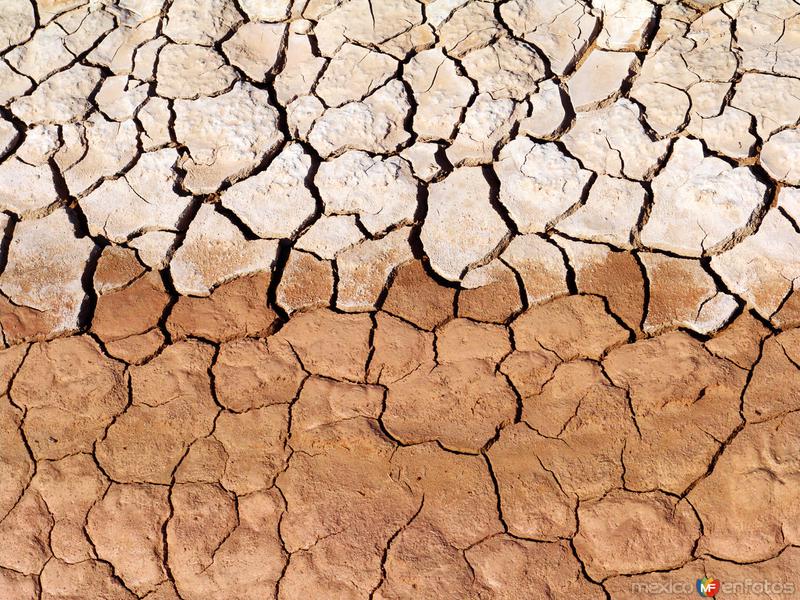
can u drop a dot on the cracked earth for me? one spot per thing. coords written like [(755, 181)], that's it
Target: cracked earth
[(398, 299)]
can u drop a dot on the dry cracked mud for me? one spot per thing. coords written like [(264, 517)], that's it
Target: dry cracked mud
[(399, 299)]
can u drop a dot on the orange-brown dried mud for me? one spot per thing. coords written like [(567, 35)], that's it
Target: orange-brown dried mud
[(218, 449)]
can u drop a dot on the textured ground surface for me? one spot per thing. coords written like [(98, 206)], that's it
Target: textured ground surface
[(412, 452), (398, 298)]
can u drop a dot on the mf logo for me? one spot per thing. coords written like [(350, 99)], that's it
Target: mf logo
[(708, 587)]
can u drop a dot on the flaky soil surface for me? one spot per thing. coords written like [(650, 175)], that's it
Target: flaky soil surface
[(214, 448), (398, 299)]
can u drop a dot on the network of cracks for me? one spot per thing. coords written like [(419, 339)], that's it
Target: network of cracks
[(398, 299), (217, 447), (494, 140)]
